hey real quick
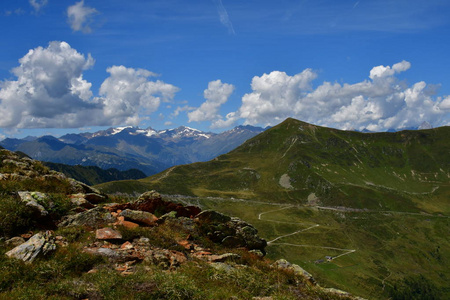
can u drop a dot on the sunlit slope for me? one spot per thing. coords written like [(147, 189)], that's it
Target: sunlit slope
[(301, 163)]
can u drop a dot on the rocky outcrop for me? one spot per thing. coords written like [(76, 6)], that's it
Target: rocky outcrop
[(285, 265), (231, 232), (152, 202), (38, 244)]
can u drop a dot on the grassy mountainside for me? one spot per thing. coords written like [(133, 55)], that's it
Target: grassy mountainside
[(376, 203), (296, 162), (56, 244)]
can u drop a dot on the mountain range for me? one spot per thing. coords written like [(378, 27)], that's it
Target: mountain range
[(295, 160), (124, 148)]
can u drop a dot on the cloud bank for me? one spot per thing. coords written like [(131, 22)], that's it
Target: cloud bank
[(80, 17), (50, 92), (380, 103)]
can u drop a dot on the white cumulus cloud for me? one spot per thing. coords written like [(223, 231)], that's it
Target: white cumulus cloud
[(50, 92), (216, 94), (128, 95), (382, 71), (378, 104), (80, 17)]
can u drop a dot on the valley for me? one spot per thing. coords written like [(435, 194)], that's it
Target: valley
[(363, 252), (363, 212)]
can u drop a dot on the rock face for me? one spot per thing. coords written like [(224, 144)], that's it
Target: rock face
[(152, 202), (40, 243), (231, 232)]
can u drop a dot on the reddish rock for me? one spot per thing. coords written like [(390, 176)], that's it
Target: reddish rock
[(186, 244), (128, 224), (152, 202), (126, 246), (138, 216), (108, 234)]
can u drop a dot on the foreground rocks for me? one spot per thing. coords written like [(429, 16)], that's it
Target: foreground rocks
[(38, 244)]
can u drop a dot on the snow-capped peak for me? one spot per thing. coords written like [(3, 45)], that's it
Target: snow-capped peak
[(119, 129)]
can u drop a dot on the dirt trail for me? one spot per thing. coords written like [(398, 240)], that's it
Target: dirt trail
[(346, 251)]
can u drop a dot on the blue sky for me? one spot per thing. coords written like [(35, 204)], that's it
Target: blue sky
[(71, 66)]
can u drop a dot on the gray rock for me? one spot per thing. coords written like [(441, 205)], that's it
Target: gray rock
[(33, 200), (40, 243), (15, 241), (94, 197), (80, 200), (96, 217)]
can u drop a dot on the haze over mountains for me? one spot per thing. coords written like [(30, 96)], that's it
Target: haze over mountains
[(124, 148)]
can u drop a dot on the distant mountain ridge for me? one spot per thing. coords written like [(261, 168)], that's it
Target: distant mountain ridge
[(297, 161), (124, 148)]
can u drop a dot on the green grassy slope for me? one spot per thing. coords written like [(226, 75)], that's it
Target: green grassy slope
[(296, 162), (373, 250)]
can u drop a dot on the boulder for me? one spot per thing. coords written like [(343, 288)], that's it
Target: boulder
[(94, 197), (138, 216), (40, 243), (96, 218), (35, 201), (79, 187), (80, 200), (108, 234), (152, 202)]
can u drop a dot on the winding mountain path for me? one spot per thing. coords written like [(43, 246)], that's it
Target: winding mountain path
[(272, 242)]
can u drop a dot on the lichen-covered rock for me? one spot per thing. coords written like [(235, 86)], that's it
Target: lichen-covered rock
[(284, 264), (96, 217), (35, 201), (138, 216), (40, 243), (81, 201)]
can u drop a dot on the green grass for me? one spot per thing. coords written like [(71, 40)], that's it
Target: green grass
[(389, 246)]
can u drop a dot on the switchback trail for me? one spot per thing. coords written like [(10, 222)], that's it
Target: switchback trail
[(271, 242)]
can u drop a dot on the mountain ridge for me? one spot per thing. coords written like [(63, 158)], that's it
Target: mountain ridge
[(123, 148)]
